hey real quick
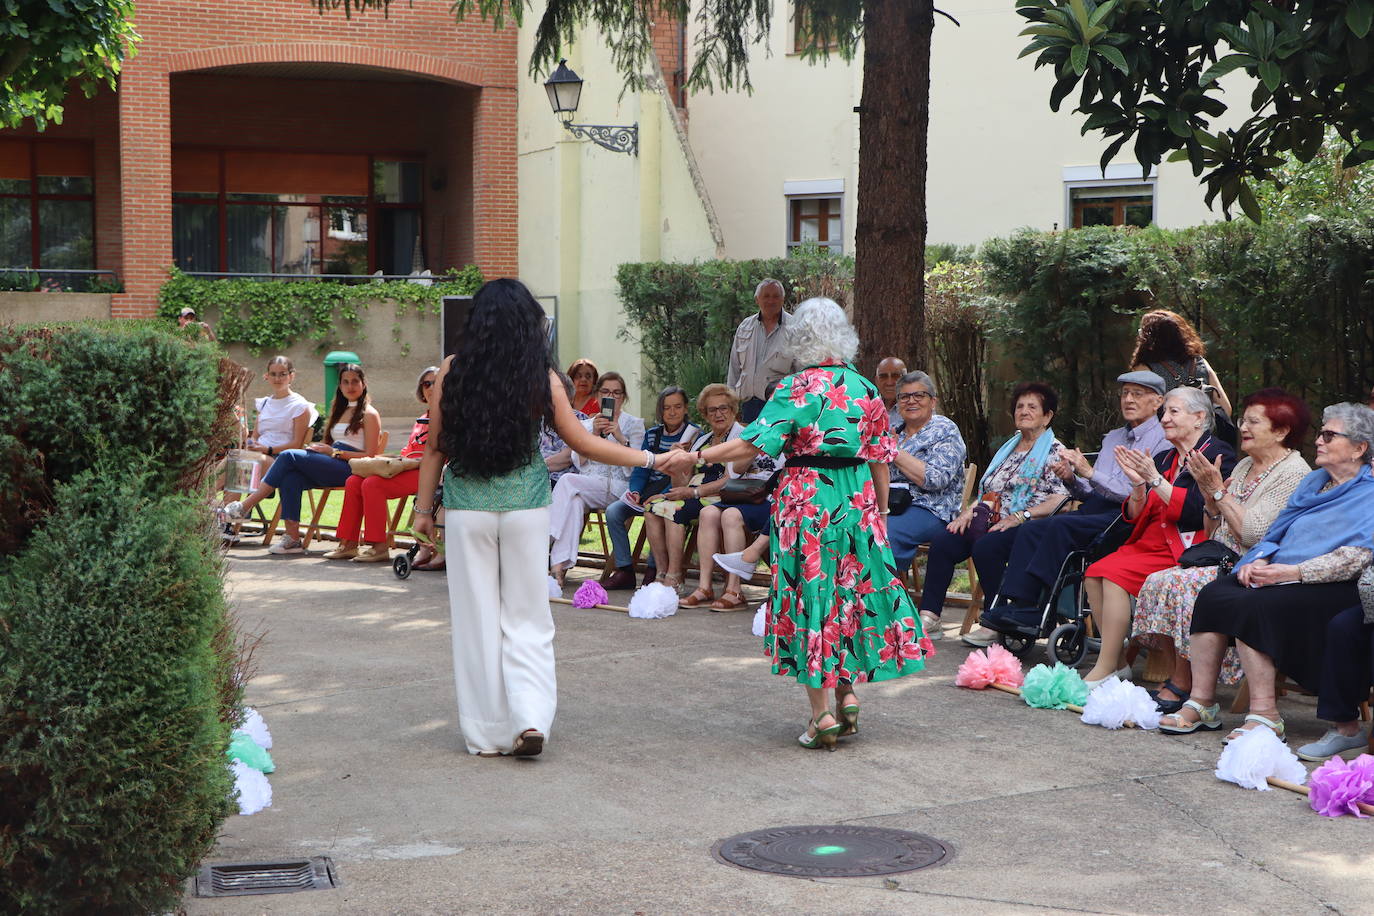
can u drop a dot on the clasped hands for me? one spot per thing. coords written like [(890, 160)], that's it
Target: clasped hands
[(676, 460), (1259, 573), (1138, 467)]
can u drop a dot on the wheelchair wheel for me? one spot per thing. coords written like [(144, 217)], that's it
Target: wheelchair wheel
[(1068, 644), (401, 566), (1017, 645)]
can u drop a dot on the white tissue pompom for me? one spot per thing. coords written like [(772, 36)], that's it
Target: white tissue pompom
[(254, 791), (1115, 702), (653, 601), (761, 619), (555, 590), (256, 728), (1255, 756)]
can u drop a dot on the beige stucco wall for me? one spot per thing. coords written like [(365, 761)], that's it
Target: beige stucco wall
[(585, 210), (996, 152), (36, 308)]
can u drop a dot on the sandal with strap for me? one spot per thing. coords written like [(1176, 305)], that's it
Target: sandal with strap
[(1170, 706), (1209, 719), (1274, 725), (848, 714), (729, 600), (698, 598), (823, 737)]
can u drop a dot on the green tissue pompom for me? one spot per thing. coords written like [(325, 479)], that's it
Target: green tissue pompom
[(245, 750), (1053, 688)]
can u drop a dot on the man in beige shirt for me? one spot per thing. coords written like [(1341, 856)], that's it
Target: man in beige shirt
[(760, 355)]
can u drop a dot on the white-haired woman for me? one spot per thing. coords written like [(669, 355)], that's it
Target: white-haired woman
[(837, 616), (1165, 502)]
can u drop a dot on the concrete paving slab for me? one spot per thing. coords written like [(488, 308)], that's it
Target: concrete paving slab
[(672, 734)]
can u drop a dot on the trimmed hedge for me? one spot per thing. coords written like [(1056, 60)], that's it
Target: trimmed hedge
[(117, 666)]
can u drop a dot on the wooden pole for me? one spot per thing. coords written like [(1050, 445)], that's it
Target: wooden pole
[(1304, 790), (1017, 691), (601, 607)]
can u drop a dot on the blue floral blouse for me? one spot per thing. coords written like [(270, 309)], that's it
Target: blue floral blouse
[(940, 445)]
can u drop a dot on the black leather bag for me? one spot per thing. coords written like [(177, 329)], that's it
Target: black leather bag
[(898, 500), (746, 491), (1209, 553)]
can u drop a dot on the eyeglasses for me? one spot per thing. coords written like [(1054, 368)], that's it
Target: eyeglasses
[(610, 393), (427, 383), (1327, 436), (719, 408), (279, 375), (915, 397)]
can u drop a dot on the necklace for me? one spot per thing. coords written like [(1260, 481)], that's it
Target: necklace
[(1247, 489)]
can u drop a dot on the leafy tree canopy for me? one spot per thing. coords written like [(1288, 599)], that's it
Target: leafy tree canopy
[(45, 44), (721, 52), (1148, 71)]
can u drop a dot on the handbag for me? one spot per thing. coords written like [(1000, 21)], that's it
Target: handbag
[(381, 466), (899, 500), (746, 491), (984, 517), (1209, 553)]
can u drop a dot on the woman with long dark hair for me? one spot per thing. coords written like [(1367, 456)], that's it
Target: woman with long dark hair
[(494, 395), (354, 430), (1170, 346)]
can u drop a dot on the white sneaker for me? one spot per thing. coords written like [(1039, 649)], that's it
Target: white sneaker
[(931, 624), (286, 544), (735, 563), (980, 638)]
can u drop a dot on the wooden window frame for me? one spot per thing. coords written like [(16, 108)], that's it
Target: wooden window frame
[(827, 202)]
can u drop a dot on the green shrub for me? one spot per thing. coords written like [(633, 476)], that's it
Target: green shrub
[(683, 316), (112, 771), (274, 314)]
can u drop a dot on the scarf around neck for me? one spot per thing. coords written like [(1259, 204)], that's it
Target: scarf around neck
[(1315, 522), (1030, 470)]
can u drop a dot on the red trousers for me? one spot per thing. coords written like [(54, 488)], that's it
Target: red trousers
[(365, 502)]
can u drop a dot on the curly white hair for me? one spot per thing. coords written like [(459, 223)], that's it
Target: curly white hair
[(819, 331)]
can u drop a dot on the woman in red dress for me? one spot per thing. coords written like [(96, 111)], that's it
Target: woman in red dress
[(1165, 503)]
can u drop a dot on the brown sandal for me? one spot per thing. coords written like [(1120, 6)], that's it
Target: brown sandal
[(698, 598), (730, 600)]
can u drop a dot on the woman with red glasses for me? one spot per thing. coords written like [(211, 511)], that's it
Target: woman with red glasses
[(365, 498)]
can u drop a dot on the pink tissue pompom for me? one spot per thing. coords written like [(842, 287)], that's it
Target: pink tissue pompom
[(590, 594), (994, 665), (1006, 668), (1338, 787)]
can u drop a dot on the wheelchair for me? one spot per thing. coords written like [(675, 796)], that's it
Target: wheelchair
[(1064, 609)]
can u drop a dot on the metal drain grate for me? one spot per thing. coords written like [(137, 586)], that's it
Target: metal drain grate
[(238, 879), (831, 851)]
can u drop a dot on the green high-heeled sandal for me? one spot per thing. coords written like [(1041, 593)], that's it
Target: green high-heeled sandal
[(848, 716), (824, 737)]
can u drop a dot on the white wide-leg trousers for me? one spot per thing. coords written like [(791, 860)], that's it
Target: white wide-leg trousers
[(573, 495), (498, 595)]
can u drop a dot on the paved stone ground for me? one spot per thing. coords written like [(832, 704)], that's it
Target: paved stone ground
[(672, 734)]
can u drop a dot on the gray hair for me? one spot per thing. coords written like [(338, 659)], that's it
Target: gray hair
[(917, 377), (1359, 425), (1195, 400), (567, 386), (769, 281), (819, 331)]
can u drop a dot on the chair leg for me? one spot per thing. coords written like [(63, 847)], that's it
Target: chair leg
[(1242, 701), (975, 600), (270, 527), (317, 509), (395, 527)]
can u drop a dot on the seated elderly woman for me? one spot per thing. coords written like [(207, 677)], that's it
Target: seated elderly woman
[(731, 524), (1286, 589), (1164, 505), (1347, 671), (667, 514), (1237, 513), (1018, 479), (928, 465)]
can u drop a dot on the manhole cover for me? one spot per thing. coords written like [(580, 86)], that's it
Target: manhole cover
[(831, 851), (236, 879)]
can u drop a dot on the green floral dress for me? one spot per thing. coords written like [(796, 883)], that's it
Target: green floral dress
[(837, 610)]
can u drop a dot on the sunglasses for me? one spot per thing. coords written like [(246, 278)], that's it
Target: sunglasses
[(1327, 436)]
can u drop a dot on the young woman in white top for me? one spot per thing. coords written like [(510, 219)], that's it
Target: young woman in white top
[(285, 417), (354, 429)]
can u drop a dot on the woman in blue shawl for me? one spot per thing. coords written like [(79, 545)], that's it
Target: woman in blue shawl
[(1018, 479), (1285, 590)]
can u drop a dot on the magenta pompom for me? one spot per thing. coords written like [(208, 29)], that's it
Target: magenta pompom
[(994, 665), (590, 594), (1338, 787), (1006, 668)]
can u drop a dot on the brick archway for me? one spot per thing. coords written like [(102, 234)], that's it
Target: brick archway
[(282, 52)]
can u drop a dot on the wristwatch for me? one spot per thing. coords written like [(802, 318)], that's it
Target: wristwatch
[(1218, 495), (1025, 515), (1156, 482)]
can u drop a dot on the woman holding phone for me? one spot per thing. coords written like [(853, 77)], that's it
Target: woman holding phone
[(496, 500), (596, 484)]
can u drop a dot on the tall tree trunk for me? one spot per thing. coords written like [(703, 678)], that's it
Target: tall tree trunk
[(890, 234)]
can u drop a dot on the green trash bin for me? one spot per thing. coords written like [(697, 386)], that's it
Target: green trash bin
[(332, 361)]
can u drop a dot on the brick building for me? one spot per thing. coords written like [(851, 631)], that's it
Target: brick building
[(262, 137)]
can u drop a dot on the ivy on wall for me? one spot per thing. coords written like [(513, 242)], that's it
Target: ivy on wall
[(274, 314)]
